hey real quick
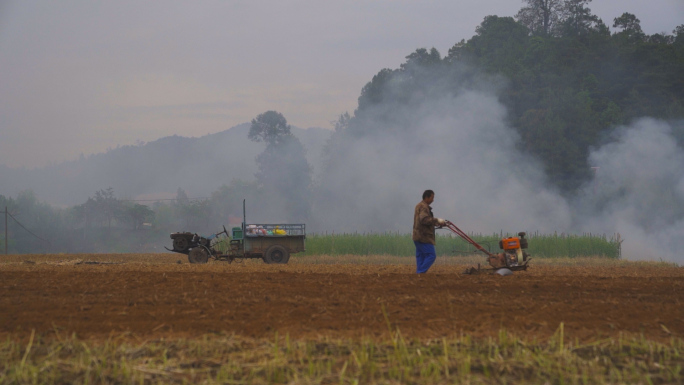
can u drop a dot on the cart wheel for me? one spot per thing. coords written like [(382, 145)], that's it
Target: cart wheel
[(276, 254), (181, 244), (198, 255)]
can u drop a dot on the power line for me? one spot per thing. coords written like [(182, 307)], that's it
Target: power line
[(29, 231), (6, 212), (157, 200)]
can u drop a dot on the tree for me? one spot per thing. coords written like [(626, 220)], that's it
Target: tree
[(422, 58), (627, 22), (195, 215), (269, 127), (541, 17), (342, 122), (137, 214), (578, 19), (85, 212), (630, 26), (373, 92), (284, 173), (678, 33), (457, 52), (227, 200), (182, 197), (106, 205), (34, 226), (420, 65), (498, 44), (285, 178), (191, 213)]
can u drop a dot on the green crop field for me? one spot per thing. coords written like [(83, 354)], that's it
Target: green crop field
[(400, 245)]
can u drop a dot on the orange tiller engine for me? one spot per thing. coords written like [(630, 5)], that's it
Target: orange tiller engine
[(513, 254)]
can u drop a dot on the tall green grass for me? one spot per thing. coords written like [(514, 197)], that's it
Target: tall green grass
[(401, 245)]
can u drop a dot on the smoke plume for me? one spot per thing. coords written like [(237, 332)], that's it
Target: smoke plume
[(459, 144), (638, 191)]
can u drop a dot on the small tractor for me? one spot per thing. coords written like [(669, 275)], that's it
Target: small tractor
[(513, 258), (273, 243)]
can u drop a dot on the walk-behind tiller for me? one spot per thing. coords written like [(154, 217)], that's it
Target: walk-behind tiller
[(513, 258)]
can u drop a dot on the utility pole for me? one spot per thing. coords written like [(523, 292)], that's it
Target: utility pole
[(6, 238), (85, 221)]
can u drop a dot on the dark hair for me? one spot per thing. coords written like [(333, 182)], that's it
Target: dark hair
[(428, 193)]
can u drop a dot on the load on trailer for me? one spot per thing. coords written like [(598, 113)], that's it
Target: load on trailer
[(273, 243)]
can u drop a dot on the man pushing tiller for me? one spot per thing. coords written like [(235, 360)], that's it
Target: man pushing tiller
[(424, 224), (513, 257)]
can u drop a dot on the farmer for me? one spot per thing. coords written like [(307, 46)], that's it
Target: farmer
[(424, 232)]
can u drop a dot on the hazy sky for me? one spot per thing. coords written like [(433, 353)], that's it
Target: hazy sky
[(81, 76)]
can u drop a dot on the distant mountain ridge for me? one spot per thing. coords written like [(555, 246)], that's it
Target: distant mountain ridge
[(158, 168)]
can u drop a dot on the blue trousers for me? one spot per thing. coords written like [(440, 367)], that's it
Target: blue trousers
[(425, 256)]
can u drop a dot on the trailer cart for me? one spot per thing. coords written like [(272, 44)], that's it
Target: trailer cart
[(271, 242)]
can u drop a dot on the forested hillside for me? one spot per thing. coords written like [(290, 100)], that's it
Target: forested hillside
[(155, 169), (196, 184), (566, 83)]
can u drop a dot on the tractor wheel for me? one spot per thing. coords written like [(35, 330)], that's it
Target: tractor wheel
[(276, 254), (198, 255), (181, 244)]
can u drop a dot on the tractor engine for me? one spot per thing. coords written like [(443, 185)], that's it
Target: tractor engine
[(513, 252)]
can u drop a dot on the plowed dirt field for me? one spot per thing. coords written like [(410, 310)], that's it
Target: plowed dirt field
[(154, 296)]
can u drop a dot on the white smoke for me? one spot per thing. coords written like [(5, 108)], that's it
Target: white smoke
[(638, 191), (460, 145)]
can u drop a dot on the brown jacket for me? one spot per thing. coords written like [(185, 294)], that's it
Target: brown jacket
[(424, 224)]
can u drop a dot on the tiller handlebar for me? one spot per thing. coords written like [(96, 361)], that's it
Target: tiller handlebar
[(449, 225)]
